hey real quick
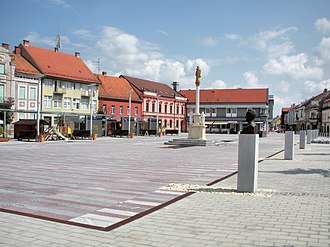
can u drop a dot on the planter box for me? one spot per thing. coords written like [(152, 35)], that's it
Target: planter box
[(4, 139)]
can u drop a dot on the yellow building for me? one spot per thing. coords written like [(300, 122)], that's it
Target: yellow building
[(69, 89)]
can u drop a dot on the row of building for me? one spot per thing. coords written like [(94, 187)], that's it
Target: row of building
[(313, 113), (65, 91)]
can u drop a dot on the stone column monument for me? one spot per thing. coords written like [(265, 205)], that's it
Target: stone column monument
[(198, 129)]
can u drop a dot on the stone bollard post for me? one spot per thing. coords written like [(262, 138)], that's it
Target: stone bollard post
[(248, 153), (309, 136), (289, 145), (302, 140)]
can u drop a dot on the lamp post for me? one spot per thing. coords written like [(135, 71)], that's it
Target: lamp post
[(91, 91), (157, 119), (129, 110)]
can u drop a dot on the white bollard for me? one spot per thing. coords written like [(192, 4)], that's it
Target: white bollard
[(302, 140), (289, 145), (309, 136), (248, 153)]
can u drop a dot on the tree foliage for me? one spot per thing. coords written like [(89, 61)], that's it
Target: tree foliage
[(8, 103)]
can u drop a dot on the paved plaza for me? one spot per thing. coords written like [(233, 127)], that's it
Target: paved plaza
[(118, 187)]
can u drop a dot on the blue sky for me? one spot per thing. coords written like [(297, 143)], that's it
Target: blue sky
[(280, 44)]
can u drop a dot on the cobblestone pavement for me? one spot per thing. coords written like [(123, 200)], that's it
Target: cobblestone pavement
[(292, 208)]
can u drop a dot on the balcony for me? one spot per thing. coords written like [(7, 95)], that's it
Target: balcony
[(60, 90), (85, 93)]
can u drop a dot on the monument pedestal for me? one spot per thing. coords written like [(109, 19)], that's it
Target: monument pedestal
[(197, 130)]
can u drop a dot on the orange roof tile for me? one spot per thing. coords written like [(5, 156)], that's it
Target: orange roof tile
[(228, 95), (151, 86), (115, 88), (24, 66), (58, 64)]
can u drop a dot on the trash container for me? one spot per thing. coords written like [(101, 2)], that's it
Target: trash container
[(94, 136)]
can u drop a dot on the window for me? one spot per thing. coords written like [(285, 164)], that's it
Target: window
[(128, 111), (21, 115), (31, 116), (94, 105), (67, 85), (113, 109), (84, 87), (84, 103), (121, 110), (165, 108), (2, 93), (136, 111), (57, 101), (171, 110), (147, 106), (2, 68), (33, 91), (67, 103), (48, 83), (21, 92), (231, 112), (76, 103), (153, 107), (104, 108), (160, 107), (171, 123), (76, 86), (48, 101)]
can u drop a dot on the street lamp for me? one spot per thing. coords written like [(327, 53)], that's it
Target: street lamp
[(91, 91), (129, 110)]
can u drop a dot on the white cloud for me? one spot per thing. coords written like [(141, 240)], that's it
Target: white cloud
[(283, 87), (60, 3), (274, 42), (322, 52), (162, 32), (83, 34), (218, 84), (250, 79), (293, 66), (232, 36), (125, 53), (209, 42), (313, 88), (322, 24)]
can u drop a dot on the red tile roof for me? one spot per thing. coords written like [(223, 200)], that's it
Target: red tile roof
[(115, 88), (151, 86), (228, 95), (58, 64), (24, 66)]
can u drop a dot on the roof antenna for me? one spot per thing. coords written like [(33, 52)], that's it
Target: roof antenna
[(98, 66), (58, 41)]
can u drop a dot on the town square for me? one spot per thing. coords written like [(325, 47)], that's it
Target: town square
[(165, 123)]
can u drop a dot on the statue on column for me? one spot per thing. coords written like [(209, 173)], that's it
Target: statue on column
[(250, 128), (190, 118), (198, 76), (203, 118)]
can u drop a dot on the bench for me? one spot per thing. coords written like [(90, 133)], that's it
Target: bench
[(27, 134), (172, 132), (81, 133), (120, 133)]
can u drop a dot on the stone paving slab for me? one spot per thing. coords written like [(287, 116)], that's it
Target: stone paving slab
[(294, 215), (105, 182)]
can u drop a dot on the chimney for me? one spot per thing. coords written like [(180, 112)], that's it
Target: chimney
[(175, 85), (77, 54), (26, 42), (17, 50), (5, 45), (56, 49), (104, 73), (325, 89)]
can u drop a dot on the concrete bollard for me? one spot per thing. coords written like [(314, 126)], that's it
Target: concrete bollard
[(289, 145), (302, 140), (248, 153), (309, 136)]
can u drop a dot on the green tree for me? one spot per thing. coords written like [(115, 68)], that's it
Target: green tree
[(7, 104)]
